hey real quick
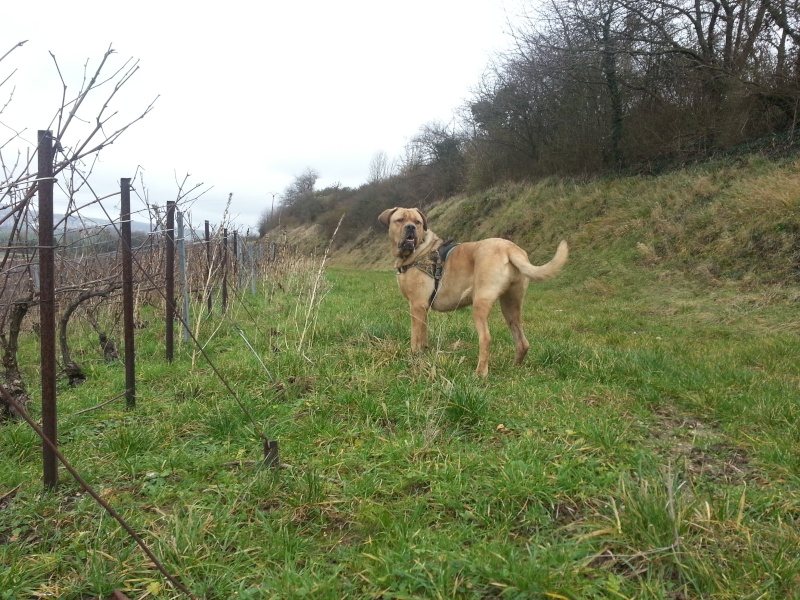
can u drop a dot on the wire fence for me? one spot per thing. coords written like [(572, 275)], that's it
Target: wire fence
[(50, 269)]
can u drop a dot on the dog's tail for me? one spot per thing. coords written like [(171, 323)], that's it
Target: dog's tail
[(546, 271)]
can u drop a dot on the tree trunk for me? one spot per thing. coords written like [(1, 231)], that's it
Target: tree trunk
[(612, 83)]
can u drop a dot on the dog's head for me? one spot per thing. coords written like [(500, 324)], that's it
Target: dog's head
[(407, 227)]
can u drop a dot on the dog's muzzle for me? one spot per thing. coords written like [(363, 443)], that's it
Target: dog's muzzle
[(409, 243)]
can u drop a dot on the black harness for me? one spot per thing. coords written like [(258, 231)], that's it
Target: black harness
[(432, 264)]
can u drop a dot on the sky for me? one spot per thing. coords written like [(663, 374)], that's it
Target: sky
[(247, 95)]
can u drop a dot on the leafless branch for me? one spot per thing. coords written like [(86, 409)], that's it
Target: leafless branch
[(14, 47)]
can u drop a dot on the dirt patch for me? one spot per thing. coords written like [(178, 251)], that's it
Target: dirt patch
[(416, 487), (8, 497), (699, 447), (293, 388), (719, 462), (566, 513)]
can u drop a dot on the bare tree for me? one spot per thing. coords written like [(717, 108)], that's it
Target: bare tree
[(380, 168), (301, 187), (593, 85), (298, 201), (434, 161)]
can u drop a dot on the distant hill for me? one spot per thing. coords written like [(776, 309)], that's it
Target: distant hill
[(77, 223), (90, 222)]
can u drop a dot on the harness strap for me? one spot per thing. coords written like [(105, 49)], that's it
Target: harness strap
[(436, 263), (438, 270)]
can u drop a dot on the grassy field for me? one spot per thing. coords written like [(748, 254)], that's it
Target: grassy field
[(648, 448)]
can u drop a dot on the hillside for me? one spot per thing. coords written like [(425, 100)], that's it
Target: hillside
[(733, 219)]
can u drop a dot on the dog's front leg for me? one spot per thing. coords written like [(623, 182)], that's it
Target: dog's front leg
[(419, 327)]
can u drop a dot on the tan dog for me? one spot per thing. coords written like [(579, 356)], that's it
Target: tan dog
[(445, 278)]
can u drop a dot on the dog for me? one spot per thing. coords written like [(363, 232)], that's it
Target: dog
[(443, 276)]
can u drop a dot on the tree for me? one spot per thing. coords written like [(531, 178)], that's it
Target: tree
[(300, 189), (299, 203), (593, 85), (380, 168), (434, 157)]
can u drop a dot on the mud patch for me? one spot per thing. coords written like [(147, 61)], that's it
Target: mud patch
[(699, 447)]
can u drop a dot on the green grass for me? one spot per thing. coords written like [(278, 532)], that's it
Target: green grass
[(648, 448)]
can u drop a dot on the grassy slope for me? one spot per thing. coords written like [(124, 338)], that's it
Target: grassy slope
[(735, 219), (648, 448)]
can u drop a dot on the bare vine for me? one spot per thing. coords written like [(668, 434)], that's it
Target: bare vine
[(85, 252), (71, 368)]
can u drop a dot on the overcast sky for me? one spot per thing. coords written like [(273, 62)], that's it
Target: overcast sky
[(251, 94)]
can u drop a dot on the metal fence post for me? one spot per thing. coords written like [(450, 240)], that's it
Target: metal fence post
[(208, 264), (224, 270), (235, 259), (127, 293), (47, 306), (182, 274), (170, 280), (252, 258)]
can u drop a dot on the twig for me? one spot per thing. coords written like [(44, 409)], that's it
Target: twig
[(106, 403), (627, 557), (10, 492), (14, 47), (643, 553)]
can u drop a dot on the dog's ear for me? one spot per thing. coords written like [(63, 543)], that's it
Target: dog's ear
[(424, 220), (384, 217)]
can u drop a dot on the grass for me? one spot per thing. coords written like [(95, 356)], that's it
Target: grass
[(648, 448)]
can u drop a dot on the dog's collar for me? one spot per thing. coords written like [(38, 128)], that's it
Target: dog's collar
[(432, 264)]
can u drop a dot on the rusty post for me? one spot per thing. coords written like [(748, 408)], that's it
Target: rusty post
[(208, 263), (170, 280), (47, 307), (127, 292), (224, 270)]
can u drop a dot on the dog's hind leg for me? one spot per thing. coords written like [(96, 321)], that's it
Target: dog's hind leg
[(511, 305)]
